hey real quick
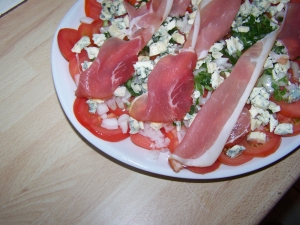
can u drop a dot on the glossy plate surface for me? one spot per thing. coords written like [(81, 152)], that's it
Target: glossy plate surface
[(125, 151)]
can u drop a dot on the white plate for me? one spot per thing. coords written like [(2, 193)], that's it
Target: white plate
[(125, 151)]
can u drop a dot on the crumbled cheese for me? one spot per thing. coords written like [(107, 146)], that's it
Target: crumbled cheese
[(157, 48), (81, 44), (120, 91), (235, 151), (216, 79), (92, 52), (156, 126), (234, 45), (85, 65), (134, 125), (99, 39), (284, 128), (273, 123), (257, 136)]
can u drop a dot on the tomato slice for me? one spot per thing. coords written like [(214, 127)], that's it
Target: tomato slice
[(204, 170), (132, 2), (75, 63), (92, 9), (288, 109), (295, 121), (90, 29), (66, 39), (141, 141), (92, 122), (174, 142), (262, 150), (239, 160)]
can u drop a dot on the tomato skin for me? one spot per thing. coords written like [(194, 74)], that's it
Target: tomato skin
[(90, 29), (75, 63), (174, 142), (241, 159), (204, 170), (66, 39), (92, 122), (288, 109), (92, 9), (295, 121), (262, 150), (132, 2), (141, 141)]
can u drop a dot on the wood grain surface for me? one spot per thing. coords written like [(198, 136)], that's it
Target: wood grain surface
[(50, 175)]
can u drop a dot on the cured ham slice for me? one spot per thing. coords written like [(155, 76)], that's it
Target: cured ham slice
[(216, 19), (290, 33), (241, 128), (147, 19), (210, 130), (170, 86), (112, 67), (114, 63), (179, 7)]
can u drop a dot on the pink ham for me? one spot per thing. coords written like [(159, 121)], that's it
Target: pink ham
[(290, 33), (147, 19), (210, 130), (114, 63), (170, 86), (112, 67), (241, 127), (179, 7), (216, 19)]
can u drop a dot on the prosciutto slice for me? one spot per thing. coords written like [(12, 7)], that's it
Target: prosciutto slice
[(290, 33), (216, 19), (212, 126), (114, 63), (170, 86), (179, 7)]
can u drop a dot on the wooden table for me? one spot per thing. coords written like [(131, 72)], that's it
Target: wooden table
[(50, 175)]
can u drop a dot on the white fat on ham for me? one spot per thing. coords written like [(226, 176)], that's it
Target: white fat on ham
[(205, 139)]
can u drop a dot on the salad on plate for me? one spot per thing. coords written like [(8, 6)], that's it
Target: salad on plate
[(206, 83)]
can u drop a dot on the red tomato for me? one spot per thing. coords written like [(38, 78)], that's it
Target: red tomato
[(141, 141), (118, 111), (92, 122), (295, 121), (93, 9), (66, 39), (262, 150), (174, 142), (132, 2), (204, 170), (75, 63), (90, 29), (241, 159), (288, 109)]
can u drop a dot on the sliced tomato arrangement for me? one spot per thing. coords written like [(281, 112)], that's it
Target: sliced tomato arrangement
[(239, 160), (92, 9), (66, 39), (204, 170), (256, 149), (92, 122), (90, 29), (288, 109), (295, 121), (141, 141)]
